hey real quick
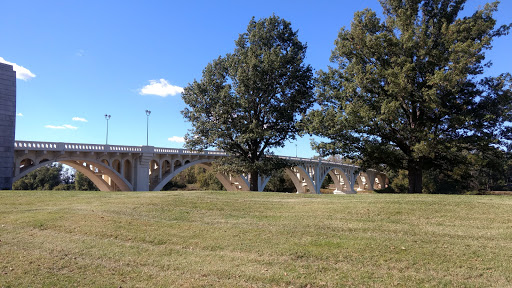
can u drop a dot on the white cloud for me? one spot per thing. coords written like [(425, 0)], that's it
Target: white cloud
[(21, 72), (80, 53), (79, 119), (70, 127), (160, 88), (176, 139), (65, 126), (19, 114)]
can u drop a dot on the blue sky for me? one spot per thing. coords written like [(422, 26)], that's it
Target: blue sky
[(84, 59)]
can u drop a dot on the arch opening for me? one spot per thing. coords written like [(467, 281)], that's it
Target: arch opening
[(301, 179), (362, 183), (104, 177), (340, 182), (178, 168), (26, 164), (128, 171), (116, 165)]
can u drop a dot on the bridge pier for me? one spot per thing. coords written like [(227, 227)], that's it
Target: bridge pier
[(142, 169), (7, 124)]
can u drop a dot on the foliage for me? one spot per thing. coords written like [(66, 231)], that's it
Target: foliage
[(174, 185), (280, 182), (64, 187), (405, 92), (44, 178), (208, 181), (249, 101), (195, 175), (54, 177), (82, 183)]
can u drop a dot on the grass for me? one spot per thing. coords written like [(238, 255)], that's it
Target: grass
[(228, 239)]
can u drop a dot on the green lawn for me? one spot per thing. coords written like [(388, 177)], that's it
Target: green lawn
[(228, 239)]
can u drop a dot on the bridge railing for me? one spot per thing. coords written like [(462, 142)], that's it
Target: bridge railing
[(60, 146), (299, 159), (34, 145), (159, 150)]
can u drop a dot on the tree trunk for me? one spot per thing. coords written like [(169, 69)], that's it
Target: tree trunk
[(415, 172), (253, 180)]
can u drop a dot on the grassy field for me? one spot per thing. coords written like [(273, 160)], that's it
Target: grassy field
[(227, 239)]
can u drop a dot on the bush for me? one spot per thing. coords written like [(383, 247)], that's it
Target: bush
[(64, 187), (400, 184)]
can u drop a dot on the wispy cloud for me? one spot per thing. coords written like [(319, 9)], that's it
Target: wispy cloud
[(160, 88), (80, 53), (79, 119), (177, 139), (65, 126), (21, 72), (19, 114)]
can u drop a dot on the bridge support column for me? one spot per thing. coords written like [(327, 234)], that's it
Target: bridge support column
[(7, 125), (141, 182)]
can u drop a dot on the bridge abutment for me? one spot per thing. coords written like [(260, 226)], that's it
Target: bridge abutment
[(7, 124)]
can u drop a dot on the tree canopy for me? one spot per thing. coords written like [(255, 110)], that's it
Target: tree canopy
[(249, 101), (408, 92)]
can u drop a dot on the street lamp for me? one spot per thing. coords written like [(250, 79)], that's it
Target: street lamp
[(295, 150), (107, 117), (147, 127)]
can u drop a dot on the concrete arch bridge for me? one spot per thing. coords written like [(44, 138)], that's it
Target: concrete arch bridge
[(148, 168)]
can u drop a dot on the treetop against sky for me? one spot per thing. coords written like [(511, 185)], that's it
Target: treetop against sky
[(77, 61)]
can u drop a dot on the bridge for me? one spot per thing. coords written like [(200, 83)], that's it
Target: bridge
[(148, 168)]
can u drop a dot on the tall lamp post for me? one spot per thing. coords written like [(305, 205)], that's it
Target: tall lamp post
[(295, 150), (147, 127), (107, 117)]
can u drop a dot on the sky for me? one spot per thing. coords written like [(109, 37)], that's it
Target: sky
[(79, 60)]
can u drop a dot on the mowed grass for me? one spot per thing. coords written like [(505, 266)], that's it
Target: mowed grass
[(228, 239)]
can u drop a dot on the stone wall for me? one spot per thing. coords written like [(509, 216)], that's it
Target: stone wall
[(7, 124)]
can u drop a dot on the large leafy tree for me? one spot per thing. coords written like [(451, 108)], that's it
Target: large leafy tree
[(249, 101), (408, 93)]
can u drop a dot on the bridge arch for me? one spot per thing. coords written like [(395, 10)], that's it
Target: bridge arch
[(362, 181), (340, 179), (301, 179), (77, 164), (227, 181), (224, 179)]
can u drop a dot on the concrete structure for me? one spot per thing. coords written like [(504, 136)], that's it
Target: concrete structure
[(7, 124), (148, 168)]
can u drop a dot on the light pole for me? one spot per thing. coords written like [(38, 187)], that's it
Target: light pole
[(107, 117), (295, 150), (147, 127)]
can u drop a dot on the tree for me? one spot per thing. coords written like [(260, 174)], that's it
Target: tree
[(207, 180), (407, 92), (280, 182), (249, 101), (82, 183), (44, 178)]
